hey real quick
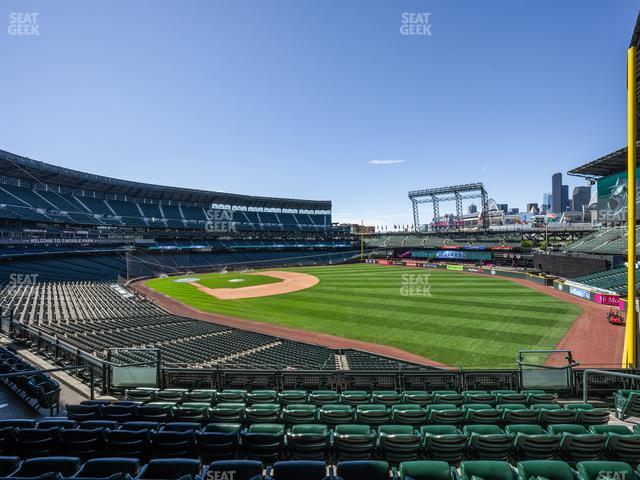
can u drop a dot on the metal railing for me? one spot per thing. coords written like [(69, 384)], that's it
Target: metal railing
[(585, 374)]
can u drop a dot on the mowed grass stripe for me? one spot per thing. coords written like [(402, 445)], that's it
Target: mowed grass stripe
[(459, 324), (434, 302)]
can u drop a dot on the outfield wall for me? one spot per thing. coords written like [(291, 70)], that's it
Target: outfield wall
[(499, 272)]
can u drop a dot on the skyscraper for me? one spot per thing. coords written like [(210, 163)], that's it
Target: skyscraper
[(565, 198), (546, 203), (581, 198), (556, 192)]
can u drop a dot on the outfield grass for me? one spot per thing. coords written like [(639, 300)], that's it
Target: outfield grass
[(458, 319)]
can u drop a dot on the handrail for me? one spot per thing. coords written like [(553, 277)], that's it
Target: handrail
[(585, 387), (571, 363), (29, 373)]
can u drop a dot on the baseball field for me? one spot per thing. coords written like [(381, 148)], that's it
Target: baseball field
[(455, 318)]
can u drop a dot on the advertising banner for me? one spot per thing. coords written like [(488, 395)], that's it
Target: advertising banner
[(606, 299), (455, 267), (579, 292)]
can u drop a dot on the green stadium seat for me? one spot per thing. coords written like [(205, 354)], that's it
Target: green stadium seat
[(610, 429), (532, 442), (140, 395), (264, 442), (308, 442), (443, 442), (218, 441), (298, 414), (191, 412), (227, 413), (479, 396), (408, 414), (425, 470), (386, 398), (445, 414), (170, 395), (514, 413), (354, 442), (555, 416), (594, 470), (587, 415), (261, 396), (399, 443), (203, 395), (287, 397), (488, 442), (577, 444), (373, 415), (544, 469), (448, 397), (323, 397), (336, 414), (509, 396), (156, 412), (485, 470), (262, 413), (232, 396), (478, 414), (621, 443), (355, 397), (534, 397), (627, 403), (418, 397)]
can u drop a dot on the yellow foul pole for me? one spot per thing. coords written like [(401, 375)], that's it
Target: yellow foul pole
[(630, 335)]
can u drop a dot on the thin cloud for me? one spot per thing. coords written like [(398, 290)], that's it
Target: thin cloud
[(385, 162)]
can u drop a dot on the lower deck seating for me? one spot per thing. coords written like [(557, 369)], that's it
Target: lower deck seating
[(116, 468)]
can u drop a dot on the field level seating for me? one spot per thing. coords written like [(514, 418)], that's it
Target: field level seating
[(175, 468)]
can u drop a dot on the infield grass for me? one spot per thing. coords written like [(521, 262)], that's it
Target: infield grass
[(455, 318)]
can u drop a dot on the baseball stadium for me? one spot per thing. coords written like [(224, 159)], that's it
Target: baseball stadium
[(158, 332)]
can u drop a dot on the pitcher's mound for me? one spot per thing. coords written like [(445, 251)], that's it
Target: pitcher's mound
[(291, 282)]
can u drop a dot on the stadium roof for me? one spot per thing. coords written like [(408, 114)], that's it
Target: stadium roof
[(609, 164), (36, 172)]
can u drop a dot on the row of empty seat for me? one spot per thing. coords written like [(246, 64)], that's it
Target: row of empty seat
[(115, 468), (53, 207), (347, 397), (97, 317), (373, 415), (271, 442)]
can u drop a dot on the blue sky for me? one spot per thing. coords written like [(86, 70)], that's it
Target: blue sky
[(297, 98)]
